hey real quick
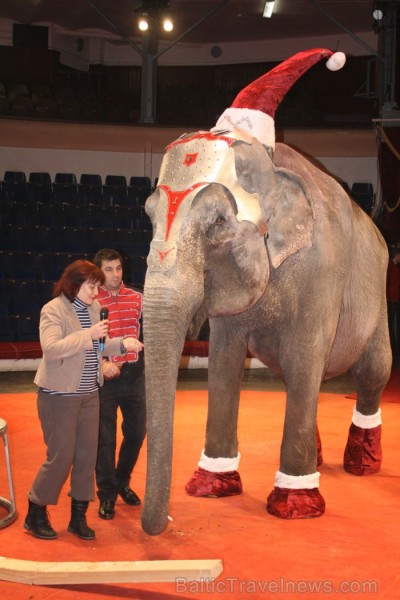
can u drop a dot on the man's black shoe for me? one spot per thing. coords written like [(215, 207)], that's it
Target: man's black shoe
[(129, 496), (106, 510)]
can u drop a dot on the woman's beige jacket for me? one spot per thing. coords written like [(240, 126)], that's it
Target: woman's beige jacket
[(64, 344)]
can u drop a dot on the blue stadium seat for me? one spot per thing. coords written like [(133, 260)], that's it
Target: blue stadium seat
[(39, 187), (65, 188), (102, 217), (140, 182), (115, 190), (90, 189), (70, 239), (14, 237), (139, 190), (10, 262), (29, 306), (46, 287), (4, 292), (38, 261), (14, 186), (6, 328), (76, 216), (18, 213), (39, 239), (53, 271), (26, 328), (47, 214), (23, 272), (363, 194)]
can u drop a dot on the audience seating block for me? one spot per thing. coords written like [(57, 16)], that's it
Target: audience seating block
[(42, 231)]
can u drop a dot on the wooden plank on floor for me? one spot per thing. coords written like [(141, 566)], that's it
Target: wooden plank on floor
[(68, 573)]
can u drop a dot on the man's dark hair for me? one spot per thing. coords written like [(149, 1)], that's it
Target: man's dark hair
[(106, 254)]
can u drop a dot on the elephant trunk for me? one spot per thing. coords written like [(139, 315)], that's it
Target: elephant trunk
[(166, 317)]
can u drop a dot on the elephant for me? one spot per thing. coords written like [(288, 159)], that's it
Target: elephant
[(299, 281), (272, 250)]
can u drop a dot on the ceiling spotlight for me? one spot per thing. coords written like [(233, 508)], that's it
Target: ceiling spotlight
[(377, 10), (143, 23), (153, 13), (378, 16), (168, 24), (268, 9)]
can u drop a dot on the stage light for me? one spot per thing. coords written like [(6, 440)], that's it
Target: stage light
[(377, 11), (168, 24), (268, 9), (152, 14), (378, 16), (143, 23)]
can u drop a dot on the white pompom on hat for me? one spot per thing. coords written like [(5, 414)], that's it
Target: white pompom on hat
[(253, 109)]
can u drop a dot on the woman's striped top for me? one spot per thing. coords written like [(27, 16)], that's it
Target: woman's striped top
[(88, 381)]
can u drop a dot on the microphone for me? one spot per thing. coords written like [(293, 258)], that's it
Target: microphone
[(103, 316)]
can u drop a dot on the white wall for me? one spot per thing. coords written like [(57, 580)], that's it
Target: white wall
[(352, 169), (77, 161), (349, 169), (350, 155)]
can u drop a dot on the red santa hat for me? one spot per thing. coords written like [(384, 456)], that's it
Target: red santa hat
[(253, 109)]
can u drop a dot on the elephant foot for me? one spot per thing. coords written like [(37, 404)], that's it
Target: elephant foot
[(363, 453), (295, 504), (296, 497), (215, 485)]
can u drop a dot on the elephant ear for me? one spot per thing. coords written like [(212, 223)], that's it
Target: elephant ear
[(292, 218), (285, 200)]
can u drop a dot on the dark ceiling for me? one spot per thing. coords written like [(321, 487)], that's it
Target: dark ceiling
[(218, 21)]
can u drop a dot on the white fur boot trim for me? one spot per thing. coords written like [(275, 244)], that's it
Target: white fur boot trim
[(297, 482), (367, 421), (220, 464)]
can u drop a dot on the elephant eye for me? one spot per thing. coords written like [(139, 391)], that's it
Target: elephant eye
[(220, 220)]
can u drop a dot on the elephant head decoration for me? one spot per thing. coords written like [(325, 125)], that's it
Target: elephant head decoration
[(284, 264)]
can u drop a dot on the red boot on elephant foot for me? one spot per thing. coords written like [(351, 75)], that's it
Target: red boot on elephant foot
[(296, 497), (363, 452), (215, 477)]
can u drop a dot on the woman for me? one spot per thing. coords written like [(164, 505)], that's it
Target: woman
[(68, 378)]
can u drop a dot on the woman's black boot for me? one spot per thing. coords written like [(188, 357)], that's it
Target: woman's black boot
[(78, 523), (38, 523)]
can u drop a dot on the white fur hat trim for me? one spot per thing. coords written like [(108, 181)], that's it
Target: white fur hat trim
[(299, 482), (367, 421), (256, 123), (220, 464), (336, 61)]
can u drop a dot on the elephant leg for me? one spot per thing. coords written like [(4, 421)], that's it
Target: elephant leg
[(320, 458), (363, 452), (296, 494), (217, 473)]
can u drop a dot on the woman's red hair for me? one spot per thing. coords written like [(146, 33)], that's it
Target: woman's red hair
[(75, 275)]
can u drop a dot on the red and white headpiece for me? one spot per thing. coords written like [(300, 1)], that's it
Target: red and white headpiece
[(253, 109)]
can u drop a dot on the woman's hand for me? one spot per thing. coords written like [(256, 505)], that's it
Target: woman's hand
[(110, 370), (132, 344), (100, 330)]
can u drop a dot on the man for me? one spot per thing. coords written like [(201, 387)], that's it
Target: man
[(124, 387)]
